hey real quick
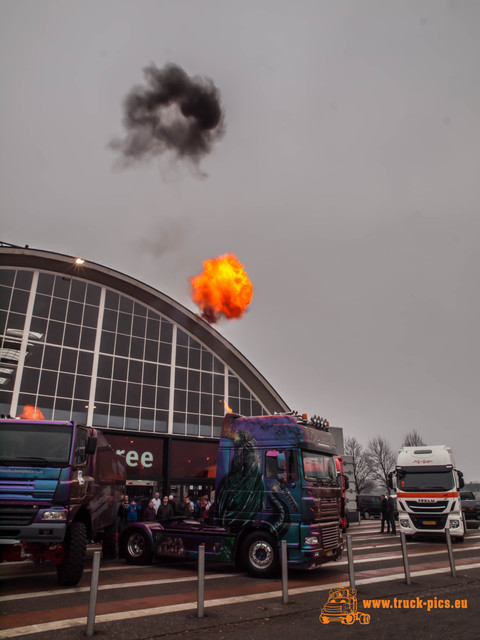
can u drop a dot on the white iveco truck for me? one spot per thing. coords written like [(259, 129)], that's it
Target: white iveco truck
[(428, 486)]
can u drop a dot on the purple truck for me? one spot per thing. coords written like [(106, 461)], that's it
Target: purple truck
[(61, 484), (276, 480)]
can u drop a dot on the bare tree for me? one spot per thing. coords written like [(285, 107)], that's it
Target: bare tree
[(381, 459), (361, 469), (413, 439)]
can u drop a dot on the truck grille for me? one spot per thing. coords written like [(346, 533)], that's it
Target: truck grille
[(421, 507), (330, 536), (20, 489), (16, 516)]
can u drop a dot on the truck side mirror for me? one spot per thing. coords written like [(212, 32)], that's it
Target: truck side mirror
[(390, 480), (91, 445), (461, 481), (347, 483), (281, 463)]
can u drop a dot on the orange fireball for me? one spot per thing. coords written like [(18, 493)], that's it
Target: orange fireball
[(223, 288), (30, 413)]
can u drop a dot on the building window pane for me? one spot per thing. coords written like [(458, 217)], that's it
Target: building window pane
[(102, 392), (41, 307), (74, 313), (87, 341), (120, 369), (118, 392), (163, 376), (65, 385), (19, 301), (85, 362), (55, 332), (111, 300), (77, 290), (59, 309), (153, 329), (68, 361), (93, 295), (122, 345), (163, 396), (105, 365), (23, 280), (107, 342), (72, 335), (51, 358), (90, 316), (165, 354), (61, 288)]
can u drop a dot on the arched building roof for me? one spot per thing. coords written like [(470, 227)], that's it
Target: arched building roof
[(25, 258)]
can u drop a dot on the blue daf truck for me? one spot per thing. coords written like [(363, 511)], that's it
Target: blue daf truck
[(276, 480)]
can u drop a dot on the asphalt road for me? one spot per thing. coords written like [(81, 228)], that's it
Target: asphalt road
[(159, 601)]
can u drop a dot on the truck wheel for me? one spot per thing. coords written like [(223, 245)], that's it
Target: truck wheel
[(366, 515), (70, 570), (137, 548), (109, 542), (260, 554), (348, 619)]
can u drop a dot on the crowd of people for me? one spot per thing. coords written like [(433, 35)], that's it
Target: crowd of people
[(162, 509)]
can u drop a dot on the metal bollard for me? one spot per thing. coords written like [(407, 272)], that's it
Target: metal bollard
[(284, 572), (92, 604), (403, 542), (450, 553), (351, 568), (201, 581)]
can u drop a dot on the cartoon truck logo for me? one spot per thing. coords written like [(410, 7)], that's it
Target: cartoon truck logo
[(342, 607)]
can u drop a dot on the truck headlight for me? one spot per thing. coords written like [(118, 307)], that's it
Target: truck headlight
[(454, 524), (54, 515), (405, 523), (311, 540)]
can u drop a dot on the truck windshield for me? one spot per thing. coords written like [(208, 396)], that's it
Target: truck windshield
[(319, 468), (426, 481), (38, 444)]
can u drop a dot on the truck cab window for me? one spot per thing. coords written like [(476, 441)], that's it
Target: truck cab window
[(272, 468)]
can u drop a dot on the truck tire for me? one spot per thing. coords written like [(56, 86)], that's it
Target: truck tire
[(260, 555), (70, 570), (366, 515), (109, 543), (137, 547)]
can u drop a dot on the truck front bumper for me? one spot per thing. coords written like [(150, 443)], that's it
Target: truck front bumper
[(46, 532)]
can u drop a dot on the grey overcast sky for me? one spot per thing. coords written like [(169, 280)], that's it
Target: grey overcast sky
[(347, 183)]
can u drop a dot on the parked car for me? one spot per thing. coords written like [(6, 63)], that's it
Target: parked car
[(369, 506), (470, 509)]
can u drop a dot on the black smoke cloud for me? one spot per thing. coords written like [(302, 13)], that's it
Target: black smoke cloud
[(174, 112)]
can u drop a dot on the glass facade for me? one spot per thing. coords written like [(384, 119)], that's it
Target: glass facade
[(72, 349)]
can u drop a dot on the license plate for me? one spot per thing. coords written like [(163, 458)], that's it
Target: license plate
[(330, 553), (429, 522)]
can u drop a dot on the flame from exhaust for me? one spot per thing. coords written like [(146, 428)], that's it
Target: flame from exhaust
[(30, 413), (227, 408), (223, 288)]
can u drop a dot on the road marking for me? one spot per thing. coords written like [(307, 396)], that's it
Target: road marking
[(104, 587), (187, 606)]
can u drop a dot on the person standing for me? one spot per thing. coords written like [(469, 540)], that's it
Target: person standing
[(156, 502), (391, 513), (132, 511), (186, 509), (165, 510), (149, 513), (384, 512)]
